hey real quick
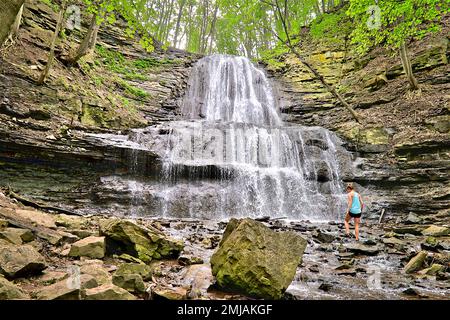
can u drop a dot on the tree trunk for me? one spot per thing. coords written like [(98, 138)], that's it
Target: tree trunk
[(8, 14), (15, 27), (177, 28), (51, 54), (407, 67), (87, 43)]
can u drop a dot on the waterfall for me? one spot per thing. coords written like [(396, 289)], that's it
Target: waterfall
[(230, 154), (231, 133)]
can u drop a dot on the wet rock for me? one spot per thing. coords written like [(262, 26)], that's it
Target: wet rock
[(411, 292), (108, 292), (370, 242), (255, 260), (188, 259), (433, 270), (129, 282), (169, 293), (347, 272), (436, 231), (144, 243), (92, 247), (323, 237), (362, 249), (142, 270), (393, 242), (430, 243), (325, 287), (314, 268), (413, 218), (16, 235), (9, 291), (416, 262), (18, 261), (415, 230)]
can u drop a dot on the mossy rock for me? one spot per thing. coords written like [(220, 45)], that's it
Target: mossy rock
[(9, 291), (143, 270), (256, 261), (143, 243)]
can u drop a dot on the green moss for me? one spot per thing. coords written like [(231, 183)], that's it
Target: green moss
[(132, 90)]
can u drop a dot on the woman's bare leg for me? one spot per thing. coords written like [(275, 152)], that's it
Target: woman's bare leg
[(357, 228), (347, 226)]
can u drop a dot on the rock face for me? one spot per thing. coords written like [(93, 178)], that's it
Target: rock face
[(143, 243), (18, 261), (255, 260), (92, 247), (9, 291)]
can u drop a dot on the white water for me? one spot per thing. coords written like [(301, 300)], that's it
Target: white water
[(263, 168)]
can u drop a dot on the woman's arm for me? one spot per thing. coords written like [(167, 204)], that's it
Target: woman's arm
[(361, 202)]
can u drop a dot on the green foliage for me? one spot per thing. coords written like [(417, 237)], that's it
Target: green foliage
[(397, 21), (332, 27), (51, 4)]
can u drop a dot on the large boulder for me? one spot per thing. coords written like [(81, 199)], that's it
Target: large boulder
[(92, 247), (255, 260), (17, 261), (124, 236), (9, 291), (108, 292)]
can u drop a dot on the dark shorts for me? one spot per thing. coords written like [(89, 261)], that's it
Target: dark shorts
[(355, 215)]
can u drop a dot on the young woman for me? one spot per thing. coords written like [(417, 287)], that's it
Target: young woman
[(354, 209)]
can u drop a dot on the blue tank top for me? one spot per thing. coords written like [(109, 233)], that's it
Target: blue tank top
[(356, 205)]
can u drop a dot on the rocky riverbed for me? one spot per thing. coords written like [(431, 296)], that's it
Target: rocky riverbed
[(57, 256)]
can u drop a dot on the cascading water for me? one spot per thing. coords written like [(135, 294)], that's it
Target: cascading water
[(262, 167), (232, 155)]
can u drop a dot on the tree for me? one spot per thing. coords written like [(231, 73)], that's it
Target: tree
[(393, 24), (10, 16), (281, 9), (51, 55)]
